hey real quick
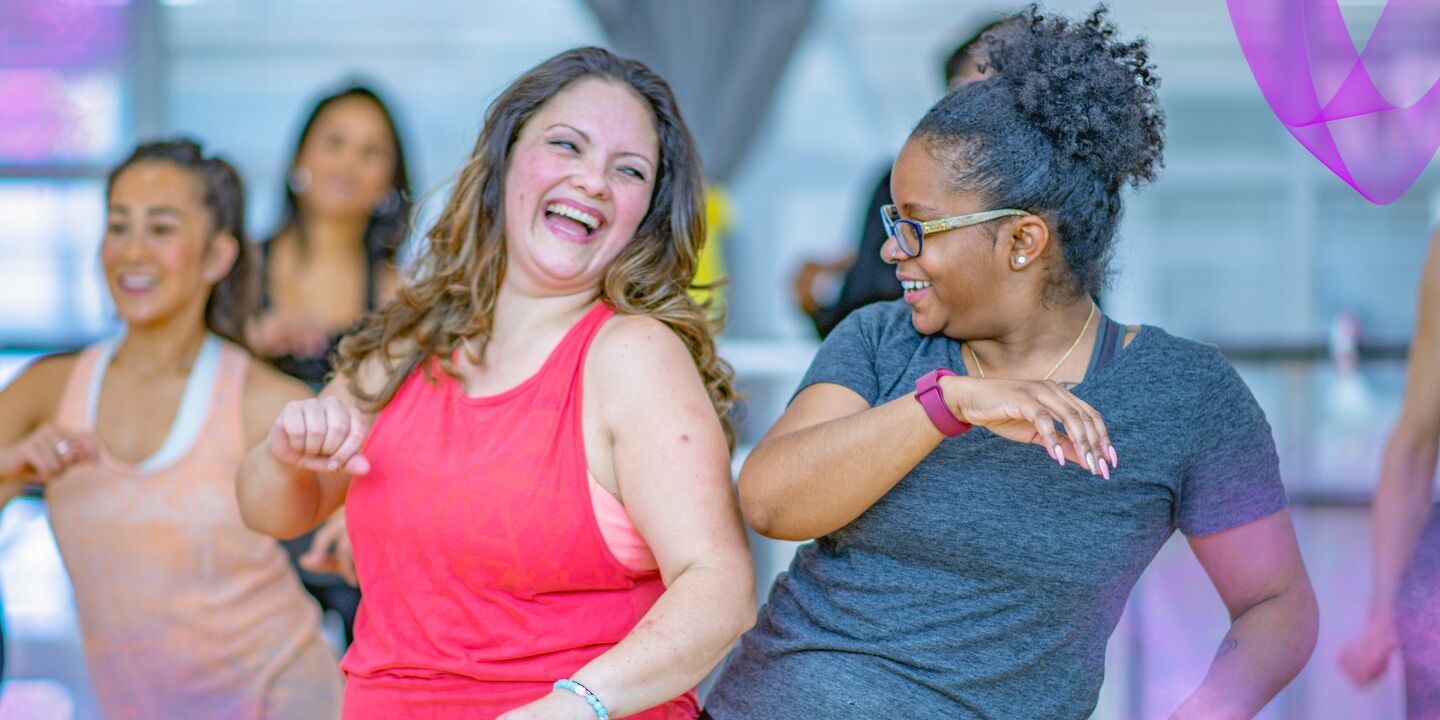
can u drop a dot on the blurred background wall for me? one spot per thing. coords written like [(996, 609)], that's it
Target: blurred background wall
[(1245, 241)]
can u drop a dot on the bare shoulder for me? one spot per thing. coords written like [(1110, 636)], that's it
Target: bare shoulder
[(265, 385), (636, 347), (639, 365), (267, 391)]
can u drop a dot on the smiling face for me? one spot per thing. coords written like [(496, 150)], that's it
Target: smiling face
[(578, 185), (960, 272), (160, 254), (349, 157)]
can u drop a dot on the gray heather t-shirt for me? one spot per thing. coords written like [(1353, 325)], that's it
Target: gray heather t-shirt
[(987, 581)]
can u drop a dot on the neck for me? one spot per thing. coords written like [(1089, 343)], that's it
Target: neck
[(329, 236), (522, 314), (1029, 350), (160, 349)]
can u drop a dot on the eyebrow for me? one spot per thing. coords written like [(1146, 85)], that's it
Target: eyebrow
[(919, 209), (586, 137), (154, 212)]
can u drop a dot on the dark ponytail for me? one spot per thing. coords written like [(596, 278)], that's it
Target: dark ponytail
[(233, 300)]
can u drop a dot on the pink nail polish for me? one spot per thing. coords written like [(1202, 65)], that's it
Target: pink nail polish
[(1104, 469), (1060, 455), (1114, 459)]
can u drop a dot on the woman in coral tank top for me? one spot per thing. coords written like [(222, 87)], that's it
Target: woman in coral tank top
[(530, 440), (185, 612)]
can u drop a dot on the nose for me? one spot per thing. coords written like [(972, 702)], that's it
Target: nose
[(890, 251), (590, 178), (128, 246)]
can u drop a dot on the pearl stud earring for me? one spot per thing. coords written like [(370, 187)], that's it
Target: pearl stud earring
[(1020, 260)]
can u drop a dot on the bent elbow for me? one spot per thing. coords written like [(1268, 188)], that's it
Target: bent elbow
[(759, 513), (744, 619), (254, 517), (1308, 624), (741, 616), (770, 519)]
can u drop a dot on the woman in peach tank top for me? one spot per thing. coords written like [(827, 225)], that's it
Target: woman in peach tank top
[(185, 612), (530, 441)]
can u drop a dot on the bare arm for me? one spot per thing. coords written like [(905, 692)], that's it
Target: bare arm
[(673, 471), (305, 450), (30, 443), (1402, 500), (8, 490), (831, 456), (1274, 620), (1404, 495)]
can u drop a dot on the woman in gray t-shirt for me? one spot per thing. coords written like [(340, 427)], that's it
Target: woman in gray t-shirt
[(978, 574)]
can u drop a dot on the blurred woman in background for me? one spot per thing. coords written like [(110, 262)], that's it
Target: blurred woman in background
[(184, 611), (1405, 581), (347, 204)]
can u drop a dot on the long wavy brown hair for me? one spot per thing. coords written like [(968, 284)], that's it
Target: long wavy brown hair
[(451, 296)]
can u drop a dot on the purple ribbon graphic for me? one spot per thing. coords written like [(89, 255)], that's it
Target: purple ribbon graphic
[(1372, 117)]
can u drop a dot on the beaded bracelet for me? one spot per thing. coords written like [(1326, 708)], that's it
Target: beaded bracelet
[(589, 697)]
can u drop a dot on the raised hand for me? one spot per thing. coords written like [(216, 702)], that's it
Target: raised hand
[(45, 453), (1027, 411), (320, 434)]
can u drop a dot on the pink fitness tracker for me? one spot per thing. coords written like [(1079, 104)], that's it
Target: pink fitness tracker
[(927, 392)]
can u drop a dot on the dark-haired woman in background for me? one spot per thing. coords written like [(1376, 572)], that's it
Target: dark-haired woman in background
[(347, 201), (184, 611), (978, 574), (347, 204)]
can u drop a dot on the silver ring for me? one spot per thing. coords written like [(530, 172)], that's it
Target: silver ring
[(62, 447)]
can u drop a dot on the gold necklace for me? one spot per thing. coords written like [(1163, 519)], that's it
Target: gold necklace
[(981, 369)]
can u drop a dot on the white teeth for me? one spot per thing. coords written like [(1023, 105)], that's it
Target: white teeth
[(137, 282), (580, 216), (913, 285)]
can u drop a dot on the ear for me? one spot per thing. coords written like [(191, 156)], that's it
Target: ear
[(220, 256), (1023, 241)]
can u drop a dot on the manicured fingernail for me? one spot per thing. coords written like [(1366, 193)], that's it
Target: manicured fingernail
[(1090, 460), (1114, 459), (1060, 456), (1104, 469), (334, 465)]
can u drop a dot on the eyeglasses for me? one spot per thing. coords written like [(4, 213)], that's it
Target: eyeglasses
[(910, 234)]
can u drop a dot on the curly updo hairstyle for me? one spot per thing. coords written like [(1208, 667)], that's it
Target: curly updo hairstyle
[(1067, 116)]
